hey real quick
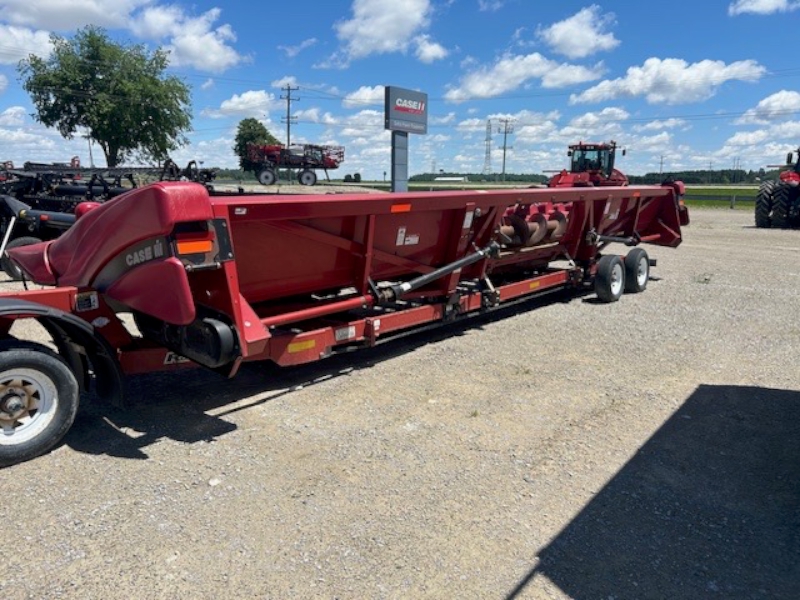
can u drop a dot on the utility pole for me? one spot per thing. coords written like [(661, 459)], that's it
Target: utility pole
[(661, 167), (505, 128), (487, 160), (289, 119)]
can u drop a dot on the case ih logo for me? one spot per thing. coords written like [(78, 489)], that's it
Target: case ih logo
[(409, 106)]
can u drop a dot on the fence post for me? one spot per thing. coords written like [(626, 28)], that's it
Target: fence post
[(733, 202)]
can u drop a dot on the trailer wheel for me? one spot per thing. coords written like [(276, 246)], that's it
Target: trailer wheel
[(9, 267), (764, 201), (609, 282), (266, 177), (307, 177), (38, 401), (637, 270), (781, 203)]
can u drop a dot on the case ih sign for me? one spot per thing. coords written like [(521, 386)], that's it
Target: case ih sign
[(406, 110)]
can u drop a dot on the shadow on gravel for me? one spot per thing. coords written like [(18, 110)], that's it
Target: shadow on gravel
[(174, 405), (708, 508)]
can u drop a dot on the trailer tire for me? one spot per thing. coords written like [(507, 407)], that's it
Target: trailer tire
[(781, 203), (307, 177), (9, 267), (266, 177), (39, 398), (637, 271), (609, 281), (764, 200)]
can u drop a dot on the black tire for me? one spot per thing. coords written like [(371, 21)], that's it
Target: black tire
[(781, 203), (609, 282), (637, 271), (764, 200), (39, 398), (307, 177), (9, 267), (266, 177)]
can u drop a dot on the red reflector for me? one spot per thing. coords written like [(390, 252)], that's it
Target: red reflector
[(401, 208), (44, 217), (195, 247)]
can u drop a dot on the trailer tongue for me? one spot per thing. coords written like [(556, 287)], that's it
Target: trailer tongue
[(215, 281)]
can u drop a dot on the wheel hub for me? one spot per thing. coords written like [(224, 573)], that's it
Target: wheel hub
[(13, 404)]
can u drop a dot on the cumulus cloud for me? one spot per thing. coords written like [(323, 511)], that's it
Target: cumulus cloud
[(192, 41), (57, 15), (253, 103), (761, 7), (428, 51), (385, 26), (13, 116), (20, 42), (670, 123), (490, 5), (512, 71), (672, 81), (365, 96), (582, 34), (778, 106)]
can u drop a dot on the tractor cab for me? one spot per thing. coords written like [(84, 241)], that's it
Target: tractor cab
[(591, 165)]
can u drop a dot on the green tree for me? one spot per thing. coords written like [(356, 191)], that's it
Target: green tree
[(118, 96), (250, 131)]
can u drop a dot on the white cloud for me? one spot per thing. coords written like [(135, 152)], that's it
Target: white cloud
[(490, 5), (192, 41), (582, 34), (778, 106), (382, 26), (20, 42), (512, 71), (365, 96), (13, 116), (671, 123), (207, 84), (4, 85), (57, 15), (292, 51), (672, 81), (761, 7), (428, 51), (253, 103)]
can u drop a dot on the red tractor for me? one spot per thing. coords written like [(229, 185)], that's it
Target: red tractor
[(778, 202), (266, 159), (592, 166)]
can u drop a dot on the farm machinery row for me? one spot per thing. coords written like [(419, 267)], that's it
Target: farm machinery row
[(778, 202), (215, 281), (39, 201)]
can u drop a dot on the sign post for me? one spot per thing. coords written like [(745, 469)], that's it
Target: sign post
[(405, 111)]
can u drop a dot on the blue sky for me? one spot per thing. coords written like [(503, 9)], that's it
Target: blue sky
[(680, 84)]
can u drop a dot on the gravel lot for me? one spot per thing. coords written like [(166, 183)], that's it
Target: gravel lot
[(568, 449)]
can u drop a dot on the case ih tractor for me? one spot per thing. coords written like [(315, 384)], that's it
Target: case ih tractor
[(778, 202), (266, 159), (591, 165)]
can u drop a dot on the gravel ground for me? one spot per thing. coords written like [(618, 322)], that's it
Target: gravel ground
[(568, 449)]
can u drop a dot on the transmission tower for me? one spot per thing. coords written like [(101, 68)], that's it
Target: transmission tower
[(289, 119), (505, 128), (487, 161)]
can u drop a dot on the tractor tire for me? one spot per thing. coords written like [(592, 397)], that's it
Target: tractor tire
[(39, 398), (9, 267), (764, 201), (637, 271), (307, 177), (609, 282), (266, 177), (781, 205)]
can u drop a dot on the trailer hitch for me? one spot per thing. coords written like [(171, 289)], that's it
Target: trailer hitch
[(593, 238), (396, 291)]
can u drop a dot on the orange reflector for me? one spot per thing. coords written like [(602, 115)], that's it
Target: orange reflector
[(301, 346), (401, 208), (195, 247)]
